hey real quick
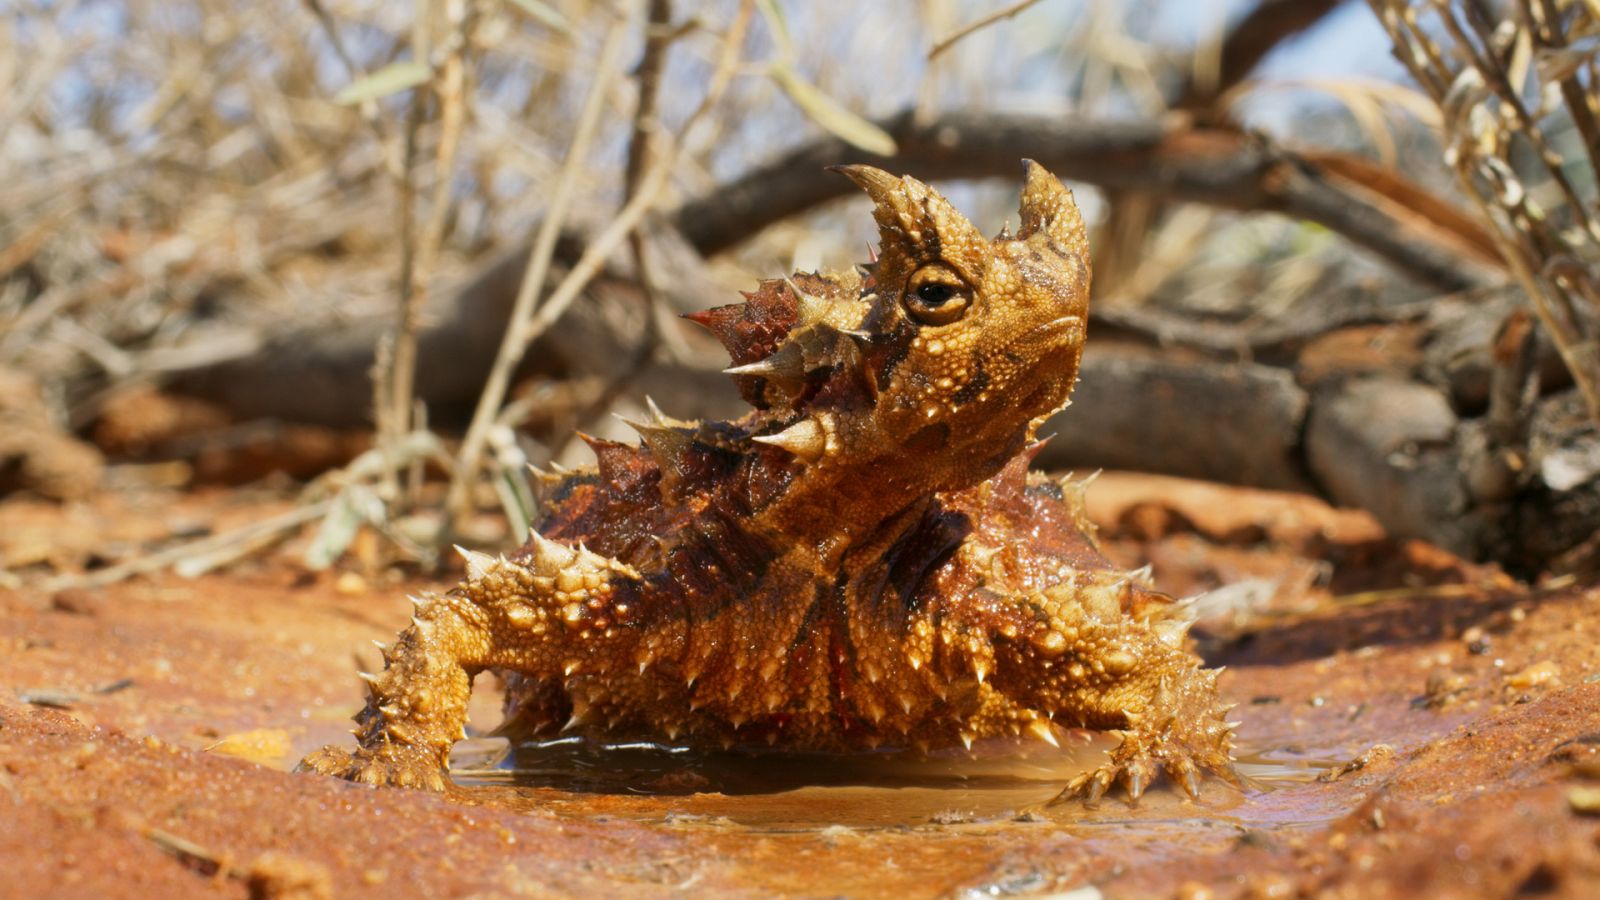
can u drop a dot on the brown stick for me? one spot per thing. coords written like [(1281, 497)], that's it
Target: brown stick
[(955, 37), (1266, 26), (1211, 166)]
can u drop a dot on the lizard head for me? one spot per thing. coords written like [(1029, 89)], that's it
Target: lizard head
[(937, 362), (972, 341)]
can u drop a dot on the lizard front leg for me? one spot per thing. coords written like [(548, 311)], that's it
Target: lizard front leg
[(543, 614), (1086, 660), (1171, 719)]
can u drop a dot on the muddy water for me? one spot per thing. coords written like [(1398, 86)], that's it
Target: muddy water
[(997, 781)]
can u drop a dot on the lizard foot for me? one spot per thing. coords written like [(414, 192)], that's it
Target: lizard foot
[(1134, 765), (394, 765)]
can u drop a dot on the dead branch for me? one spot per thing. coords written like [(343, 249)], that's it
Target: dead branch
[(1215, 167), (310, 372), (1405, 419), (1122, 264), (1265, 27)]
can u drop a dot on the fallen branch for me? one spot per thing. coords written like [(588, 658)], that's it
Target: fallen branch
[(1217, 167)]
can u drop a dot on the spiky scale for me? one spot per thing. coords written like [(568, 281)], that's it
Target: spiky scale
[(762, 368), (1040, 728), (655, 411), (805, 439), (479, 565)]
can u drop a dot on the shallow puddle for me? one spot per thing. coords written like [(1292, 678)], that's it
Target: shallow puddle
[(997, 781)]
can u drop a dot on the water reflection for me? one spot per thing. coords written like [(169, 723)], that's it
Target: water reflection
[(997, 781)]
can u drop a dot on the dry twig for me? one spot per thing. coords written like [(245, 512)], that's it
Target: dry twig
[(658, 327), (530, 320), (978, 24), (419, 252), (517, 335)]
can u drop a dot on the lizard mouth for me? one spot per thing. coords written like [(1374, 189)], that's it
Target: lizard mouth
[(1059, 333)]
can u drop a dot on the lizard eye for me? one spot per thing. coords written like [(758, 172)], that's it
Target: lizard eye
[(936, 296)]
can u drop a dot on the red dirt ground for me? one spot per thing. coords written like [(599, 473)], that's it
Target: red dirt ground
[(146, 730)]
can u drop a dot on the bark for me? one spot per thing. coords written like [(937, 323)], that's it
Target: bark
[(321, 376)]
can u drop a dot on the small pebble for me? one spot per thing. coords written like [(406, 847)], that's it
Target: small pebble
[(1533, 676), (351, 584), (1585, 801), (76, 601)]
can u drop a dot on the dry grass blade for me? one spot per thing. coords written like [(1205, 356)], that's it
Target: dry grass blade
[(391, 79), (544, 14), (830, 114), (826, 112), (514, 344), (203, 555), (532, 318)]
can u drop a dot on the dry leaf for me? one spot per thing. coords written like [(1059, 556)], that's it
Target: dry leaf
[(391, 79), (827, 112), (545, 15)]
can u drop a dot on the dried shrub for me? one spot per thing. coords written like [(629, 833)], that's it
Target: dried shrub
[(1519, 99)]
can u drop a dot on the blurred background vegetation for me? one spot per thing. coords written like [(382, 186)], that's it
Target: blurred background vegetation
[(389, 254)]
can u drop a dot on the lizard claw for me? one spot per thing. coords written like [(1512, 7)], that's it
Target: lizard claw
[(1136, 777), (1134, 769), (393, 765), (1185, 774), (1089, 787)]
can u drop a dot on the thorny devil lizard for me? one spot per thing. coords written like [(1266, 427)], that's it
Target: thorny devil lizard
[(862, 561)]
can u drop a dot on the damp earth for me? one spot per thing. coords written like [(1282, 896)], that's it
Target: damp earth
[(1412, 725)]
